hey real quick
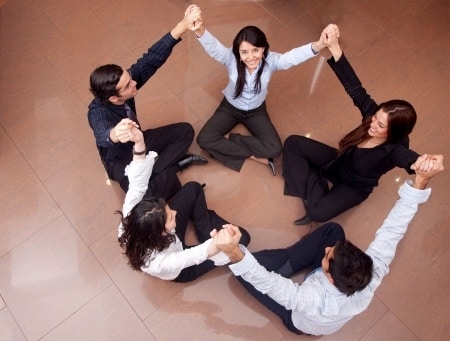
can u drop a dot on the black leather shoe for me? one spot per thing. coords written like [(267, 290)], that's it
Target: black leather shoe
[(191, 159), (303, 221), (272, 166)]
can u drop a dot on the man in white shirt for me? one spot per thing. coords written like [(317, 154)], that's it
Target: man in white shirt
[(344, 278)]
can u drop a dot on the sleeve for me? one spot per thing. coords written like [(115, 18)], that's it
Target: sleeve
[(382, 249), (150, 62), (404, 157), (101, 127), (298, 55), (215, 49), (168, 264), (138, 172), (353, 86), (283, 290)]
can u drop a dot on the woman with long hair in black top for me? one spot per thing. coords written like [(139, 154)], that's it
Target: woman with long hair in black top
[(332, 180)]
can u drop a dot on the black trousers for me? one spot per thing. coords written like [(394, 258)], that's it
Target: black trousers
[(232, 152), (306, 253), (303, 159), (171, 142), (190, 204)]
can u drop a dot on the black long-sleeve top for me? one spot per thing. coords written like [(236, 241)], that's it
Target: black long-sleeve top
[(364, 166), (103, 117)]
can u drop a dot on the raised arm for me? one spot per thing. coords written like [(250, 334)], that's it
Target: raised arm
[(382, 249), (347, 76), (159, 52)]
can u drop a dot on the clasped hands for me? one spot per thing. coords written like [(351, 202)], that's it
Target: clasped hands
[(126, 130), (227, 238)]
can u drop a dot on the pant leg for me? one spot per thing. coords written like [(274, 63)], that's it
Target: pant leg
[(211, 137), (165, 185), (264, 141), (184, 203), (309, 251), (325, 205), (302, 159), (116, 171), (195, 271), (271, 260), (192, 206), (171, 142)]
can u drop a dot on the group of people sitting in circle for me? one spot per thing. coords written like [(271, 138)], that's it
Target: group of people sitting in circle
[(329, 180)]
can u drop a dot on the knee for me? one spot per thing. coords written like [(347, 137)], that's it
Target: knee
[(186, 130), (201, 139), (318, 214), (245, 237), (291, 141), (276, 150), (335, 229), (205, 138), (193, 186)]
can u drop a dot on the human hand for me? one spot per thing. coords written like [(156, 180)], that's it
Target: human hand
[(123, 130), (227, 238), (192, 18), (136, 135), (330, 35), (325, 35), (426, 167)]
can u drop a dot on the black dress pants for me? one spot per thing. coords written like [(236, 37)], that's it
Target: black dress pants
[(190, 204), (303, 159)]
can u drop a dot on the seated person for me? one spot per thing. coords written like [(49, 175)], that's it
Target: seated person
[(344, 278), (330, 180), (250, 65), (153, 233), (113, 109)]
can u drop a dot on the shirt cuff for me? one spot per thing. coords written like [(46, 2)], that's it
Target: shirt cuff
[(246, 264), (414, 195)]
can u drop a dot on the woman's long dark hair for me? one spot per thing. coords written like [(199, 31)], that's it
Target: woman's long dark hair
[(144, 231), (401, 120), (256, 37)]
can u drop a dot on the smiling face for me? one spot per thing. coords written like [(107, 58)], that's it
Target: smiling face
[(250, 55), (379, 125)]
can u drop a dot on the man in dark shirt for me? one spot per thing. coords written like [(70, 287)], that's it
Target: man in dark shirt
[(112, 114)]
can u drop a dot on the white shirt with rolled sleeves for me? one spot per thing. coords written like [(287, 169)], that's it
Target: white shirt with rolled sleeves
[(249, 99), (318, 307), (168, 263)]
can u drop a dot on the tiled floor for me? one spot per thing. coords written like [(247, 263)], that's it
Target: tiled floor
[(62, 274)]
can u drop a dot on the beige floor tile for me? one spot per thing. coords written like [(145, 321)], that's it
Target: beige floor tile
[(25, 204), (10, 329), (145, 294), (390, 328), (63, 272), (49, 277), (87, 196), (119, 321)]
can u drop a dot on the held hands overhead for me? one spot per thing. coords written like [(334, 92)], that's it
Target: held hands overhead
[(191, 21), (426, 166)]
